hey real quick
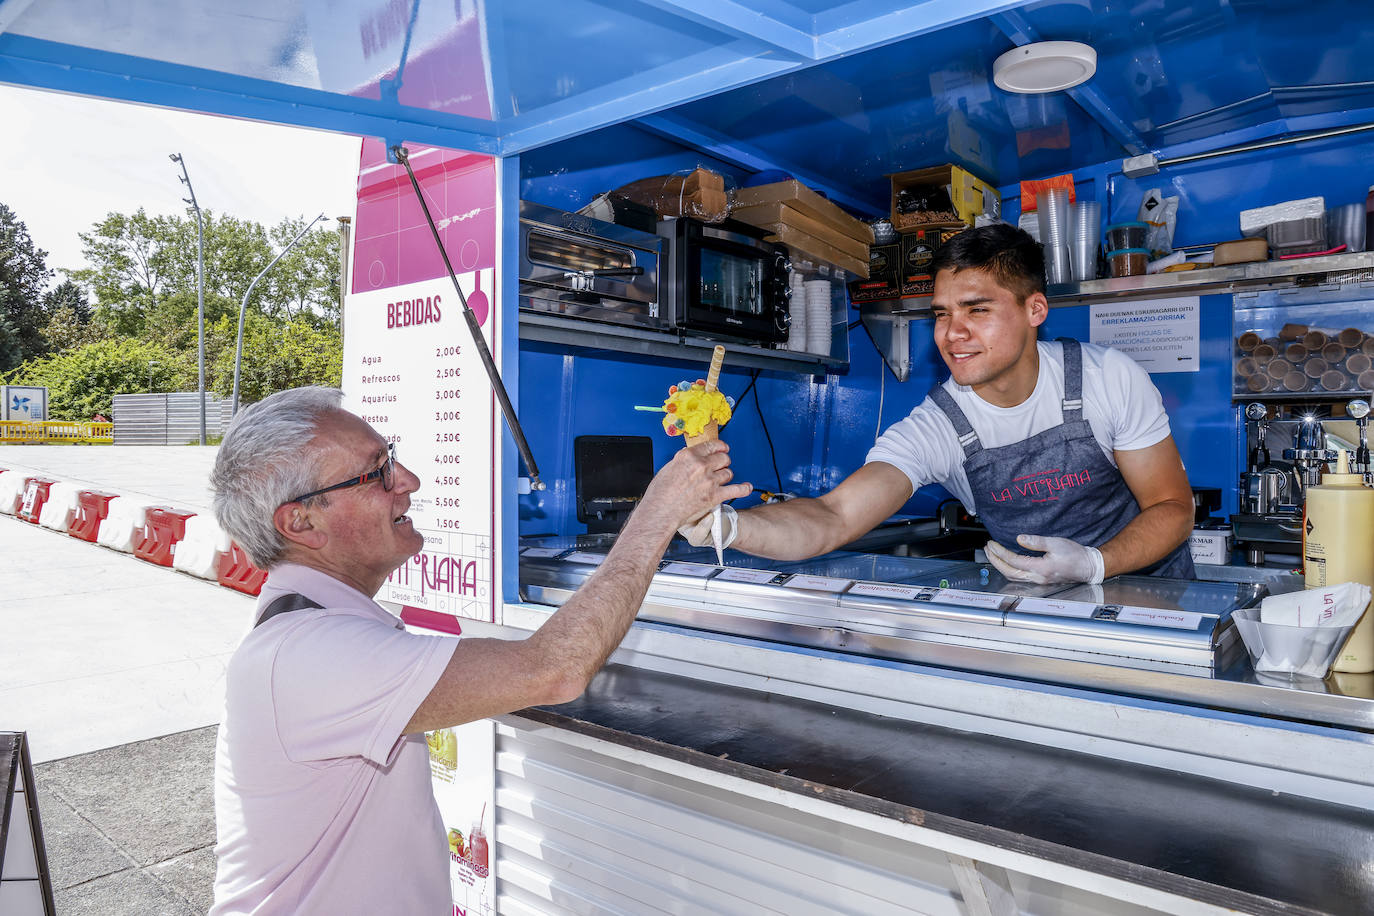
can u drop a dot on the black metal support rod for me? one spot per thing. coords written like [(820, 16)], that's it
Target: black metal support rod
[(475, 329)]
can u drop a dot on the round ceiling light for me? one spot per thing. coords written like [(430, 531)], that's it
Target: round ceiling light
[(1045, 66)]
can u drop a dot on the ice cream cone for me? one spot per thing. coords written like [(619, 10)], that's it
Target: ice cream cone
[(712, 431)]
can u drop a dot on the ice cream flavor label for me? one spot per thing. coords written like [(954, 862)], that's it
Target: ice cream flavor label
[(968, 599), (537, 552), (1054, 608), (758, 576), (1154, 617), (695, 570), (884, 590), (579, 556), (817, 583)]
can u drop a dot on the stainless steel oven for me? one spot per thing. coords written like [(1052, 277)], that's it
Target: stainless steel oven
[(724, 280), (580, 267)]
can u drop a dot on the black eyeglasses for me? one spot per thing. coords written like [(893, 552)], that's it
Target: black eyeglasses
[(386, 473)]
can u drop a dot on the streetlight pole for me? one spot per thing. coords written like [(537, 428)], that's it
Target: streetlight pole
[(200, 288), (151, 364), (243, 310)]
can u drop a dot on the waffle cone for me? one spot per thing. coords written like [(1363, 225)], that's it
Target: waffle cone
[(710, 432)]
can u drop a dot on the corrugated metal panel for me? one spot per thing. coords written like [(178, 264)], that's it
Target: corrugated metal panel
[(166, 418), (581, 832)]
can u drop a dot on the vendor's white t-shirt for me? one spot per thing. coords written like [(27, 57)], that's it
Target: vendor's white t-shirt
[(1120, 403), (322, 805)]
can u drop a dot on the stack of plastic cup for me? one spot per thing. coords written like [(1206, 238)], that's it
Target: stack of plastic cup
[(796, 307), (818, 316), (1052, 209), (1085, 228)]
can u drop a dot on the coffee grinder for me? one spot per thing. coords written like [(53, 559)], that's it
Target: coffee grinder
[(1270, 517)]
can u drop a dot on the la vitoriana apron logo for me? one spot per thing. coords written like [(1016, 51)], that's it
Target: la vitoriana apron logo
[(1042, 486)]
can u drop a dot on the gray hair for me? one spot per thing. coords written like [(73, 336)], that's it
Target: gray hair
[(264, 461)]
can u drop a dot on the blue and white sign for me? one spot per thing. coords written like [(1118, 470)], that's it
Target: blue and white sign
[(24, 403), (1160, 334)]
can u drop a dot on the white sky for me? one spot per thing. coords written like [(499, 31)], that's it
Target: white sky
[(67, 161)]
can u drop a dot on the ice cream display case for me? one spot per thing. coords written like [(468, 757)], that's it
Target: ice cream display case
[(901, 607)]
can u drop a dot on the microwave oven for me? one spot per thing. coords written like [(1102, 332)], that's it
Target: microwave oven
[(725, 281)]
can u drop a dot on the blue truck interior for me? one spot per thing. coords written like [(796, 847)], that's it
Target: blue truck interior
[(586, 96)]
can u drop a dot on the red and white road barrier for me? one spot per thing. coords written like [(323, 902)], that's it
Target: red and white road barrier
[(185, 541)]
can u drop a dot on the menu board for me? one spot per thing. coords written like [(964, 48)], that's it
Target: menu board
[(411, 371)]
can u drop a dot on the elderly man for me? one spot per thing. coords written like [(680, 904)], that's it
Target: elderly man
[(322, 786)]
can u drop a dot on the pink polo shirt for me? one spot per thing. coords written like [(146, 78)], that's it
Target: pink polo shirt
[(321, 804)]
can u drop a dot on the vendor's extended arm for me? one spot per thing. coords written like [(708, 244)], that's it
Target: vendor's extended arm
[(1159, 483), (802, 528)]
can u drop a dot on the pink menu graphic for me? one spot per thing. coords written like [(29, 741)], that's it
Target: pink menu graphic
[(392, 243), (412, 371)]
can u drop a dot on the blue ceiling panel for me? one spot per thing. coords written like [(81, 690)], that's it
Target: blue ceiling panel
[(841, 90), (923, 101), (588, 46)]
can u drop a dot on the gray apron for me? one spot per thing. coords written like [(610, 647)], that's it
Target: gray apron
[(1057, 483)]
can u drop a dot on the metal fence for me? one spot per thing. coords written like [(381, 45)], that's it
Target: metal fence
[(54, 432), (167, 419)]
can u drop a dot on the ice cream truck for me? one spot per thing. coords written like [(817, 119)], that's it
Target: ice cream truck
[(565, 209)]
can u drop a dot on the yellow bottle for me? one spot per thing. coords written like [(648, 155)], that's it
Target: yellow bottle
[(1338, 546)]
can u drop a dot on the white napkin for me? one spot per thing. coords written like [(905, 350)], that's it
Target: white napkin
[(1333, 606), (717, 539)]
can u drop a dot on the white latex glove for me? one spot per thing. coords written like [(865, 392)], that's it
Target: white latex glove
[(698, 533), (1063, 561)]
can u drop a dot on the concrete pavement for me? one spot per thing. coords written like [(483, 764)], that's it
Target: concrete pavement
[(115, 669)]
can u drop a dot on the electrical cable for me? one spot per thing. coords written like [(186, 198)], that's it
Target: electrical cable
[(772, 453)]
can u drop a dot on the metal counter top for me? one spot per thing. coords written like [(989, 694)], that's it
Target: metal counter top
[(1214, 841), (1140, 636)]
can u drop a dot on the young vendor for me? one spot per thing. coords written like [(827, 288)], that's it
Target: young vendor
[(1062, 449)]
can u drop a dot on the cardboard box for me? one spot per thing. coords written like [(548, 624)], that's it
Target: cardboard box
[(699, 194), (799, 197), (771, 216), (918, 248), (799, 241), (884, 279), (968, 196)]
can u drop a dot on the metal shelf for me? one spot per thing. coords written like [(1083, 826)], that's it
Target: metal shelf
[(1331, 270), (1334, 269), (590, 335)]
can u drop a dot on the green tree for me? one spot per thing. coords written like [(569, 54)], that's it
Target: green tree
[(129, 261), (143, 272), (69, 317), (305, 282), (275, 357), (11, 351), (69, 294), (23, 276), (82, 381)]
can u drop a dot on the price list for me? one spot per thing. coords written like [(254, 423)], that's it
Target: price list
[(412, 372)]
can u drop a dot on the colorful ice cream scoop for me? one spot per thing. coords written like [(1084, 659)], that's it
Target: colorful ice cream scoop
[(696, 410), (690, 411)]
